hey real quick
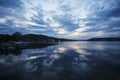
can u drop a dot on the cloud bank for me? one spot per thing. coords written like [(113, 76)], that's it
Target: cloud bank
[(74, 19)]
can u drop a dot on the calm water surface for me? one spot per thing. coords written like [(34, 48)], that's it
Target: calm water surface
[(66, 61)]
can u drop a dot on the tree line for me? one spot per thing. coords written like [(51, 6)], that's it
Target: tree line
[(17, 37)]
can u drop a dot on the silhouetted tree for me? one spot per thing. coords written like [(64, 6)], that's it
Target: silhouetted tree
[(17, 36)]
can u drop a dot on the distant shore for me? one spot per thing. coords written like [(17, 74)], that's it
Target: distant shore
[(18, 37), (105, 39)]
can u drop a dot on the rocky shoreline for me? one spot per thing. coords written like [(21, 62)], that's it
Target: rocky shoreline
[(16, 47)]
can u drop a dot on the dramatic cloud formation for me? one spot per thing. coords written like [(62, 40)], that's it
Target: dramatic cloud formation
[(74, 19)]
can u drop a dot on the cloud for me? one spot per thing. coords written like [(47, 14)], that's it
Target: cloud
[(61, 18), (2, 20), (10, 3)]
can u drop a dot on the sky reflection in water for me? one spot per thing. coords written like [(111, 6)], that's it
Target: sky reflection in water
[(67, 61)]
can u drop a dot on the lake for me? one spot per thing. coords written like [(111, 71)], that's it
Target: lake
[(80, 60)]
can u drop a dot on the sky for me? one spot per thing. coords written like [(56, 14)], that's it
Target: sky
[(72, 19)]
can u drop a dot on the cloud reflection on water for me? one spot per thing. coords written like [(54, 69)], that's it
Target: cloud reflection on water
[(67, 61)]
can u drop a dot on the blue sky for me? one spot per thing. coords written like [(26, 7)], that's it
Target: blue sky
[(74, 19)]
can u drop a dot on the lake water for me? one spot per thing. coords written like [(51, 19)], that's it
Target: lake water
[(66, 61)]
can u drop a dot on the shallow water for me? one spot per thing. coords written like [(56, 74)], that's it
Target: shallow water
[(66, 61)]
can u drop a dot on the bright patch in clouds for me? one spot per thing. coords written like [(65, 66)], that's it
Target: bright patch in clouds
[(75, 19)]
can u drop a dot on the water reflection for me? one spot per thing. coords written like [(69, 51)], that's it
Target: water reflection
[(67, 61), (11, 48)]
